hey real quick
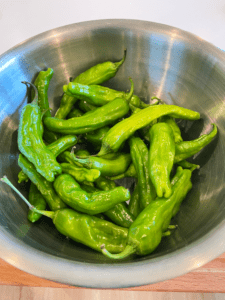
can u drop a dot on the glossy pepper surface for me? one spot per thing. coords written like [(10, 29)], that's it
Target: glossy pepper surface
[(42, 84), (175, 128), (146, 232), (56, 148), (187, 149), (161, 158), (134, 204), (72, 194), (45, 187), (37, 200), (95, 137), (124, 129), (80, 174), (31, 144), (95, 75), (107, 167), (139, 155)]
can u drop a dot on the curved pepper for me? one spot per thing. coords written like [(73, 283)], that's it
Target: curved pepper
[(107, 167), (80, 174), (75, 113), (37, 200), (130, 172), (45, 187), (95, 75), (72, 194), (31, 144), (42, 84), (139, 155), (175, 128), (95, 137), (134, 204), (86, 107), (101, 117), (187, 149), (56, 148), (124, 129), (161, 158), (146, 232)]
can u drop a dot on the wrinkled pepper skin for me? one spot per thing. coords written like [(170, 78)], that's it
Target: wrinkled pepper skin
[(107, 167), (161, 158), (134, 204), (94, 203), (187, 149), (37, 200), (146, 232), (45, 187), (80, 174), (42, 84), (31, 144), (75, 113), (124, 129), (56, 148), (90, 230), (120, 213), (139, 155), (101, 117), (95, 75)]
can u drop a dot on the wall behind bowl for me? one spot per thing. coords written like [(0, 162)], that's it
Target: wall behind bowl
[(23, 19)]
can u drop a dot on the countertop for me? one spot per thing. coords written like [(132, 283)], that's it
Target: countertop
[(22, 19)]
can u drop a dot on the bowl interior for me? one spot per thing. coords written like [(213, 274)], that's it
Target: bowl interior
[(162, 61)]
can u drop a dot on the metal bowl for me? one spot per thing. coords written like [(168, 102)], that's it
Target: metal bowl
[(163, 61)]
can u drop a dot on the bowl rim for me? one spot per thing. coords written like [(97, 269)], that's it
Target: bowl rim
[(114, 275)]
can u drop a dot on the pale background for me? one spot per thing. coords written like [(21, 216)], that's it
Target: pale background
[(22, 19)]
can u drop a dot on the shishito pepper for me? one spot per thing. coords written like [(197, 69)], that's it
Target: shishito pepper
[(107, 167), (95, 75), (45, 187), (31, 144), (187, 149), (120, 213), (42, 84), (102, 116), (82, 228), (37, 200), (76, 112), (56, 148), (124, 129), (146, 232), (86, 107), (72, 194), (134, 204), (130, 172), (95, 137), (80, 174), (161, 158), (139, 155), (175, 128)]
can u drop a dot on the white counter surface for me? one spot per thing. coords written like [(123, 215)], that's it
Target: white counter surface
[(22, 19)]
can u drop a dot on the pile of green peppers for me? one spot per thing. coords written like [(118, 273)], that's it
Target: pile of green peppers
[(97, 136)]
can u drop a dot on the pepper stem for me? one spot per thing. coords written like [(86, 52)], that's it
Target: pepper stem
[(49, 214), (130, 94), (125, 253), (35, 100), (119, 63)]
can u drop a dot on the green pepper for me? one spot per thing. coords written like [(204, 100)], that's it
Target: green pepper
[(72, 194), (56, 148), (139, 155), (100, 117), (75, 113), (80, 174), (42, 84), (130, 172), (31, 144), (45, 187), (95, 137), (187, 149), (97, 95), (124, 129), (82, 228), (146, 232), (187, 165), (86, 107), (176, 130), (95, 75), (107, 167), (37, 200), (134, 204), (161, 158), (120, 213)]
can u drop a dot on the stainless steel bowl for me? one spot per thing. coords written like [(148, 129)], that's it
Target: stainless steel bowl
[(163, 61)]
